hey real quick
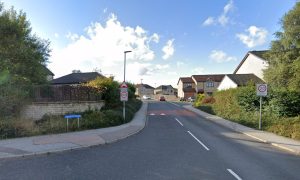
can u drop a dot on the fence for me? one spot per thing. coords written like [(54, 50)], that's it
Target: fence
[(52, 93)]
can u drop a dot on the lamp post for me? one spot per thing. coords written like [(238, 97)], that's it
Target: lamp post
[(125, 52)]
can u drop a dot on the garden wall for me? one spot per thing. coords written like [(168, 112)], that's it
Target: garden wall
[(36, 111)]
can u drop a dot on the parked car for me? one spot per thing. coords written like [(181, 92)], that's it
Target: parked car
[(162, 98), (191, 99), (146, 97)]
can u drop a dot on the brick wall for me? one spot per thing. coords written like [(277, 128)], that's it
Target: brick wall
[(36, 111)]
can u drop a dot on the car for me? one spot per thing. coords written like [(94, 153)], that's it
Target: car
[(191, 99), (146, 97), (162, 98)]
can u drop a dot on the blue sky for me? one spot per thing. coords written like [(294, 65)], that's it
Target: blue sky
[(169, 39)]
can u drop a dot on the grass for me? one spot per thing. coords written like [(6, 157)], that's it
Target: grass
[(283, 126), (11, 127)]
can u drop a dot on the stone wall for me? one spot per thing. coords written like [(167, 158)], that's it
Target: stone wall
[(36, 111)]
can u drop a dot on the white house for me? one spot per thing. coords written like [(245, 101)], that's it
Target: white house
[(237, 80), (252, 63)]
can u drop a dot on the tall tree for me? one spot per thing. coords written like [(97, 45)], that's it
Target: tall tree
[(284, 57), (22, 54)]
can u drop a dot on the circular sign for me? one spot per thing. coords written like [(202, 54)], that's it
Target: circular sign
[(262, 88)]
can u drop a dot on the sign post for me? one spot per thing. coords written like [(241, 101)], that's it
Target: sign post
[(261, 90), (124, 96)]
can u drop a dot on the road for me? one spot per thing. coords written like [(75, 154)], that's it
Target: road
[(175, 144)]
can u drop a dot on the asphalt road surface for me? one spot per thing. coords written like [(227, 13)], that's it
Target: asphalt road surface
[(175, 144)]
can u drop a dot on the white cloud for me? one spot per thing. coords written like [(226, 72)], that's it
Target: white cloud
[(56, 35), (168, 49), (222, 19), (103, 46), (179, 63), (256, 36), (220, 56), (228, 7), (198, 70), (209, 21), (72, 36)]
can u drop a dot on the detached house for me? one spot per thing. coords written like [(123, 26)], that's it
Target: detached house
[(237, 80), (253, 63), (76, 78), (186, 87), (207, 84), (165, 90), (144, 89)]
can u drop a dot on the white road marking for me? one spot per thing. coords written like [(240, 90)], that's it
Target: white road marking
[(234, 174), (178, 121), (174, 104), (198, 141), (162, 114), (152, 114)]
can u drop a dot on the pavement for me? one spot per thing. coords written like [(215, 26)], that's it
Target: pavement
[(28, 146), (281, 142)]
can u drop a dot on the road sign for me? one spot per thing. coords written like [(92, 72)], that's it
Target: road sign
[(123, 85), (261, 89), (123, 92)]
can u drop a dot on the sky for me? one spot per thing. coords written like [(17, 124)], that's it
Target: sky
[(168, 39)]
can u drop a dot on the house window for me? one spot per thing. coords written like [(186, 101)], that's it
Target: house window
[(188, 85), (209, 84)]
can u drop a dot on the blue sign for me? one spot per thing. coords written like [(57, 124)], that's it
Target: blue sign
[(73, 116)]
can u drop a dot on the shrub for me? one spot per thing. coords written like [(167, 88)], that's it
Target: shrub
[(208, 100), (247, 98), (285, 103), (198, 100), (92, 119)]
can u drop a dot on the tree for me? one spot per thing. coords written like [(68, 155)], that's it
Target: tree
[(22, 55), (284, 57)]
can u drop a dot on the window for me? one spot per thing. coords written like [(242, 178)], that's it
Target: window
[(188, 85), (209, 84)]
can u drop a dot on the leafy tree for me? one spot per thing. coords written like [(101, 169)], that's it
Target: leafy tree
[(22, 55), (284, 57)]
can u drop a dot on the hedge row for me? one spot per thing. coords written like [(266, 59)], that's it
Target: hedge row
[(280, 113)]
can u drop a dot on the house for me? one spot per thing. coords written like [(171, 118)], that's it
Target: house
[(207, 84), (144, 89), (76, 78), (237, 80), (186, 87), (49, 74), (165, 90), (253, 63)]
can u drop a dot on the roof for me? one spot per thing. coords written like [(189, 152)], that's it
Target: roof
[(189, 90), (259, 54), (77, 78), (185, 80), (164, 87), (212, 77), (145, 86), (47, 71), (243, 79)]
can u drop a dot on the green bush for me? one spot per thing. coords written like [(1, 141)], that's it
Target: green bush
[(285, 103), (92, 119), (198, 100)]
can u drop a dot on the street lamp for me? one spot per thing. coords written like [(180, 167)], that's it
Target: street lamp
[(125, 52)]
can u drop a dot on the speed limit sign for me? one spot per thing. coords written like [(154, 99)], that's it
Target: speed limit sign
[(261, 89)]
